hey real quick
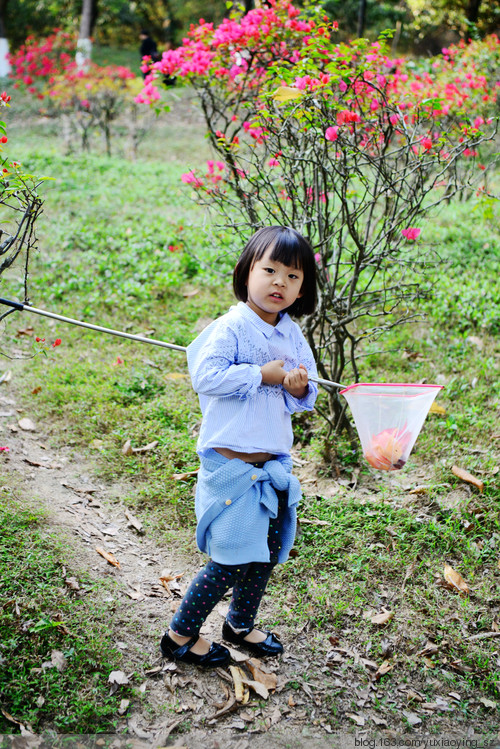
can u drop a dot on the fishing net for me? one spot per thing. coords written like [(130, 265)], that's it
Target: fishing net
[(389, 418)]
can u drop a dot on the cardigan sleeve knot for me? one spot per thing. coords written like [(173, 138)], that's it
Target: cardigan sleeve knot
[(274, 475)]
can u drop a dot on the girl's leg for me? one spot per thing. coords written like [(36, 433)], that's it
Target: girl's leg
[(205, 591), (248, 592), (247, 595)]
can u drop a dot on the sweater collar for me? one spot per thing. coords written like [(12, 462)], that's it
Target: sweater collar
[(283, 326)]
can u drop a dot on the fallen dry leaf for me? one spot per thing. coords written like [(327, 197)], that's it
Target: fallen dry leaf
[(26, 331), (437, 409), (270, 681), (26, 730), (413, 696), (430, 648), (135, 594), (313, 521), (26, 425), (108, 556), (123, 707), (456, 580), (257, 687), (487, 703), (6, 377), (176, 376), (118, 677), (184, 476), (358, 719), (166, 577), (419, 490), (383, 669), (36, 390), (133, 522), (146, 448), (409, 571), (464, 475), (382, 618), (229, 706), (484, 635), (127, 448), (57, 660), (412, 718), (241, 691)]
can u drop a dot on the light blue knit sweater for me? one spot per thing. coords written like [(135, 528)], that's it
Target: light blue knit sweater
[(234, 502)]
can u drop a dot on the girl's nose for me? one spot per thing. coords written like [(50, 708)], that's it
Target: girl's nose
[(279, 281)]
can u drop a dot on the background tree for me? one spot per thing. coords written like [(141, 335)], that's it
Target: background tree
[(84, 43), (347, 145)]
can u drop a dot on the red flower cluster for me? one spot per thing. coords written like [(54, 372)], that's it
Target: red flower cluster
[(37, 63), (47, 68)]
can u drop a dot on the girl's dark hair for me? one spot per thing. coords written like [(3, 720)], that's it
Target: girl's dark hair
[(287, 247)]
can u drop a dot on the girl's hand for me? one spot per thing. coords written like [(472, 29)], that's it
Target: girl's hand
[(296, 382), (273, 372)]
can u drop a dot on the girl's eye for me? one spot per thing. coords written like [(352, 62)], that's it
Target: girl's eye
[(292, 275), (269, 270)]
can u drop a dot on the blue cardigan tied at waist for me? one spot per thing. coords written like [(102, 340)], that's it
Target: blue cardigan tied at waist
[(234, 502)]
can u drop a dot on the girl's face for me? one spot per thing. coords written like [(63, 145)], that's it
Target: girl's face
[(272, 287)]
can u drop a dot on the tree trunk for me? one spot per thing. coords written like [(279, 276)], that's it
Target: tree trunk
[(86, 19), (361, 17), (3, 13), (472, 11), (84, 44), (4, 44)]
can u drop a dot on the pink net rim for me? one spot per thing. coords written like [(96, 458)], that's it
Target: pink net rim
[(390, 385)]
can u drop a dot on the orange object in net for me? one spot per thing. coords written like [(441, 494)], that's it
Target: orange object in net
[(388, 418)]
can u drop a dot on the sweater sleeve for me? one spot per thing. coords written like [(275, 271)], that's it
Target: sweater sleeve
[(305, 357), (212, 365)]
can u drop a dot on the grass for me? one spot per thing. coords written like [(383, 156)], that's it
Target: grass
[(104, 256), (39, 615)]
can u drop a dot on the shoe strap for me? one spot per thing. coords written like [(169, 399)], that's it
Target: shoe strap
[(182, 649)]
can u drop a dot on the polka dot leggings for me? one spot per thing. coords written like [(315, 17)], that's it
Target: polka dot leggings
[(248, 582)]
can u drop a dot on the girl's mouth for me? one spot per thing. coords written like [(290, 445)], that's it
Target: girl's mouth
[(276, 295)]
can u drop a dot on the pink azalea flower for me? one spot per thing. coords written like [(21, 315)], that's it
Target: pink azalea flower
[(332, 133), (317, 257), (411, 233)]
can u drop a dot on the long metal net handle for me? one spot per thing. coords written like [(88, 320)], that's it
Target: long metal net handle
[(130, 336)]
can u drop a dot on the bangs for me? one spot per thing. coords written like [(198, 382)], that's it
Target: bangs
[(287, 247)]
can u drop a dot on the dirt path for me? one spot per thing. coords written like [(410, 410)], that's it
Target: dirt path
[(173, 698), (317, 689)]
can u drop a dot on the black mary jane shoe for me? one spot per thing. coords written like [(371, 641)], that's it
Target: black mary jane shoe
[(265, 649), (218, 655)]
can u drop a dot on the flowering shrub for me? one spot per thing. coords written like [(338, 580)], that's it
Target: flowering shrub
[(37, 62), (93, 97), (87, 98), (348, 145), (20, 206)]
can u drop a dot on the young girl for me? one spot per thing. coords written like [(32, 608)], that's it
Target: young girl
[(250, 369)]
